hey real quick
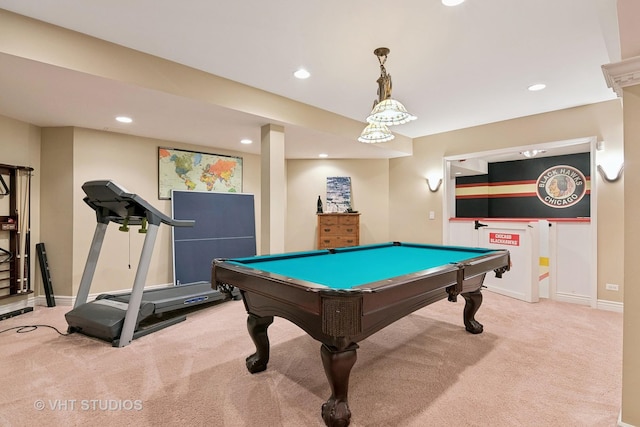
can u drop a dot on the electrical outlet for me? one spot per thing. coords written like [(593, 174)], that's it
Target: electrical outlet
[(611, 287)]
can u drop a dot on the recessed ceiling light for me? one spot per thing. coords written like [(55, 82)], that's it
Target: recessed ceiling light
[(302, 74), (124, 119), (536, 87), (452, 2), (246, 141), (323, 155)]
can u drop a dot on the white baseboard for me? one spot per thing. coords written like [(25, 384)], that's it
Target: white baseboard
[(18, 305), (41, 300), (610, 306), (506, 292), (583, 300), (574, 299), (620, 423), (67, 301)]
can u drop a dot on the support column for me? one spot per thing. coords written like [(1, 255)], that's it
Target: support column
[(273, 189), (631, 347), (624, 78)]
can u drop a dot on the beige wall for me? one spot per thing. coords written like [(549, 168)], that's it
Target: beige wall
[(307, 179), (57, 206), (130, 161), (20, 146), (410, 201)]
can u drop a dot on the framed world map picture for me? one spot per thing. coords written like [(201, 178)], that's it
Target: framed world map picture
[(190, 170)]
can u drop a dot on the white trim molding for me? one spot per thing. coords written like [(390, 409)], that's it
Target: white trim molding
[(622, 74), (67, 301), (620, 423), (618, 307), (19, 304), (61, 301)]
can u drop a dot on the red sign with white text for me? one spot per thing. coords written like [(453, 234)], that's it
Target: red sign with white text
[(507, 239)]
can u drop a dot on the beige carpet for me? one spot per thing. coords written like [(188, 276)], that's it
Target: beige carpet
[(544, 364)]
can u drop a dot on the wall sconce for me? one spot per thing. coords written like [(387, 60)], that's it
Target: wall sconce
[(610, 178), (434, 187)]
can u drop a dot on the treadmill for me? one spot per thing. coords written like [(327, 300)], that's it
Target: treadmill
[(121, 318)]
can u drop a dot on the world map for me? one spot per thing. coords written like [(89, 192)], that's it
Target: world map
[(188, 170)]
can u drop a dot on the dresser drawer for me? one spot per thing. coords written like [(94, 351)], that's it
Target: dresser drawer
[(328, 230), (332, 230), (328, 242), (338, 219), (350, 230), (328, 220), (348, 220)]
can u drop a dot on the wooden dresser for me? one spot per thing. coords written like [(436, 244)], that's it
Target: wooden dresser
[(336, 230)]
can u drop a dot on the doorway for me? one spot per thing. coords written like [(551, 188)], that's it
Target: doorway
[(552, 258)]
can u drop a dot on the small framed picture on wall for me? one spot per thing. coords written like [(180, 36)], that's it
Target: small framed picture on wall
[(338, 194)]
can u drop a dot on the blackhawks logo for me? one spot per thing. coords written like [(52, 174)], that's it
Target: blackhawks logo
[(561, 186)]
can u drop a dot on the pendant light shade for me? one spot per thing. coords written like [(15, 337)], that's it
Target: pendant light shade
[(390, 112), (374, 133)]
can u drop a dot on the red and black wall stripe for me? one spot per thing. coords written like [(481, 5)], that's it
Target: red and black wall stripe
[(509, 190)]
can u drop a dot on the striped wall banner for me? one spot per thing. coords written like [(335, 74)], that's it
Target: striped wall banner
[(549, 187), (501, 189)]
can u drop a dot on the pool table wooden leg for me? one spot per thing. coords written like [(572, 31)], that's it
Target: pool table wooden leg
[(257, 327), (337, 366), (473, 300)]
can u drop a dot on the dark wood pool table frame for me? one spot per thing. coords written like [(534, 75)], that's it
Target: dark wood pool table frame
[(339, 319)]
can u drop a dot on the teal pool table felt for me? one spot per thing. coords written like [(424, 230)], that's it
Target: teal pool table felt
[(345, 268)]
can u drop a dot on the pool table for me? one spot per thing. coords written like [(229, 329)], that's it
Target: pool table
[(341, 296)]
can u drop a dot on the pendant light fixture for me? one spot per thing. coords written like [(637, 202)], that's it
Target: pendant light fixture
[(386, 110)]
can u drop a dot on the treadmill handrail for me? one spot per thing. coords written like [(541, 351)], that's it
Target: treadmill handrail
[(113, 203)]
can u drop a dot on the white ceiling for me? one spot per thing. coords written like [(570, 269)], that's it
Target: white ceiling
[(453, 67)]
